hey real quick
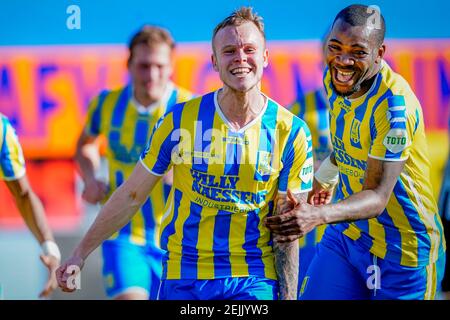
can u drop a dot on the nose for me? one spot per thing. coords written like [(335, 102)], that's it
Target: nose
[(240, 56), (154, 72), (344, 59)]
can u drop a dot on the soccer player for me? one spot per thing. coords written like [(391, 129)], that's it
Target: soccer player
[(313, 108), (132, 257), (13, 172), (384, 239), (233, 151)]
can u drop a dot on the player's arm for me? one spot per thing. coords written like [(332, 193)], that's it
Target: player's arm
[(115, 214), (30, 207), (295, 180), (286, 253), (88, 159), (33, 213), (379, 182), (325, 179)]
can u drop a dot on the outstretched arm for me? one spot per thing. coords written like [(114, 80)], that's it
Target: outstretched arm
[(379, 182), (115, 214), (33, 213)]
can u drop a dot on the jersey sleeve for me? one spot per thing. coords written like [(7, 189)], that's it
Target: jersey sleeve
[(94, 115), (391, 130), (12, 163), (297, 172), (157, 156)]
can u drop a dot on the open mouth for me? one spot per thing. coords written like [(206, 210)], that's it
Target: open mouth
[(343, 76), (240, 72)]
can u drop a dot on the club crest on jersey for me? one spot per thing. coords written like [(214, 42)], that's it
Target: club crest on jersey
[(263, 166), (354, 131)]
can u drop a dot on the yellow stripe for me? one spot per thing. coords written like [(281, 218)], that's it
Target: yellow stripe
[(430, 290), (375, 228), (312, 118), (426, 217)]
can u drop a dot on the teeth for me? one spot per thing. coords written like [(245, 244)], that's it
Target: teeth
[(240, 70), (345, 73)]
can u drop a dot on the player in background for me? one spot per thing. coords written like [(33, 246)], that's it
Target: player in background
[(13, 172), (126, 117)]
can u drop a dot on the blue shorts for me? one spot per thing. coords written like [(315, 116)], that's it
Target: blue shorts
[(343, 270), (246, 288), (131, 268)]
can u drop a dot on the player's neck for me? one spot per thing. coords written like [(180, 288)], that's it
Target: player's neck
[(144, 99), (240, 108), (366, 85)]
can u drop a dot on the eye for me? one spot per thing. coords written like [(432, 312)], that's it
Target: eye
[(333, 47), (361, 53), (228, 51)]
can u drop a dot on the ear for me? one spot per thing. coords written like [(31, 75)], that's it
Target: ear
[(380, 53), (214, 62), (266, 58)]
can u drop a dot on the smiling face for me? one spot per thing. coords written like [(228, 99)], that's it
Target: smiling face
[(240, 56), (353, 57)]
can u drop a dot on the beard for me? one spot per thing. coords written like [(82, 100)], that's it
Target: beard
[(355, 88)]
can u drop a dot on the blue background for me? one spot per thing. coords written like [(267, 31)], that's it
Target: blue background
[(38, 22)]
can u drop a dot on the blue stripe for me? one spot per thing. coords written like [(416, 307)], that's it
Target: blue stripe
[(302, 107), (361, 110), (340, 124), (289, 153), (267, 136), (392, 237), (271, 205), (6, 164), (141, 132), (149, 221), (96, 115), (170, 229), (120, 108), (373, 129), (189, 252), (396, 101), (233, 154), (221, 244), (253, 254), (126, 230), (202, 142), (344, 180), (414, 220), (441, 233), (417, 121), (172, 100)]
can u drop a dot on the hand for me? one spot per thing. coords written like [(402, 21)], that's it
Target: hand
[(294, 224), (319, 195), (74, 264), (287, 203), (94, 191), (51, 263)]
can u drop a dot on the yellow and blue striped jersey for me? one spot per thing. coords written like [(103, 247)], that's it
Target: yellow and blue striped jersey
[(115, 115), (12, 163), (225, 184), (313, 108), (387, 124)]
